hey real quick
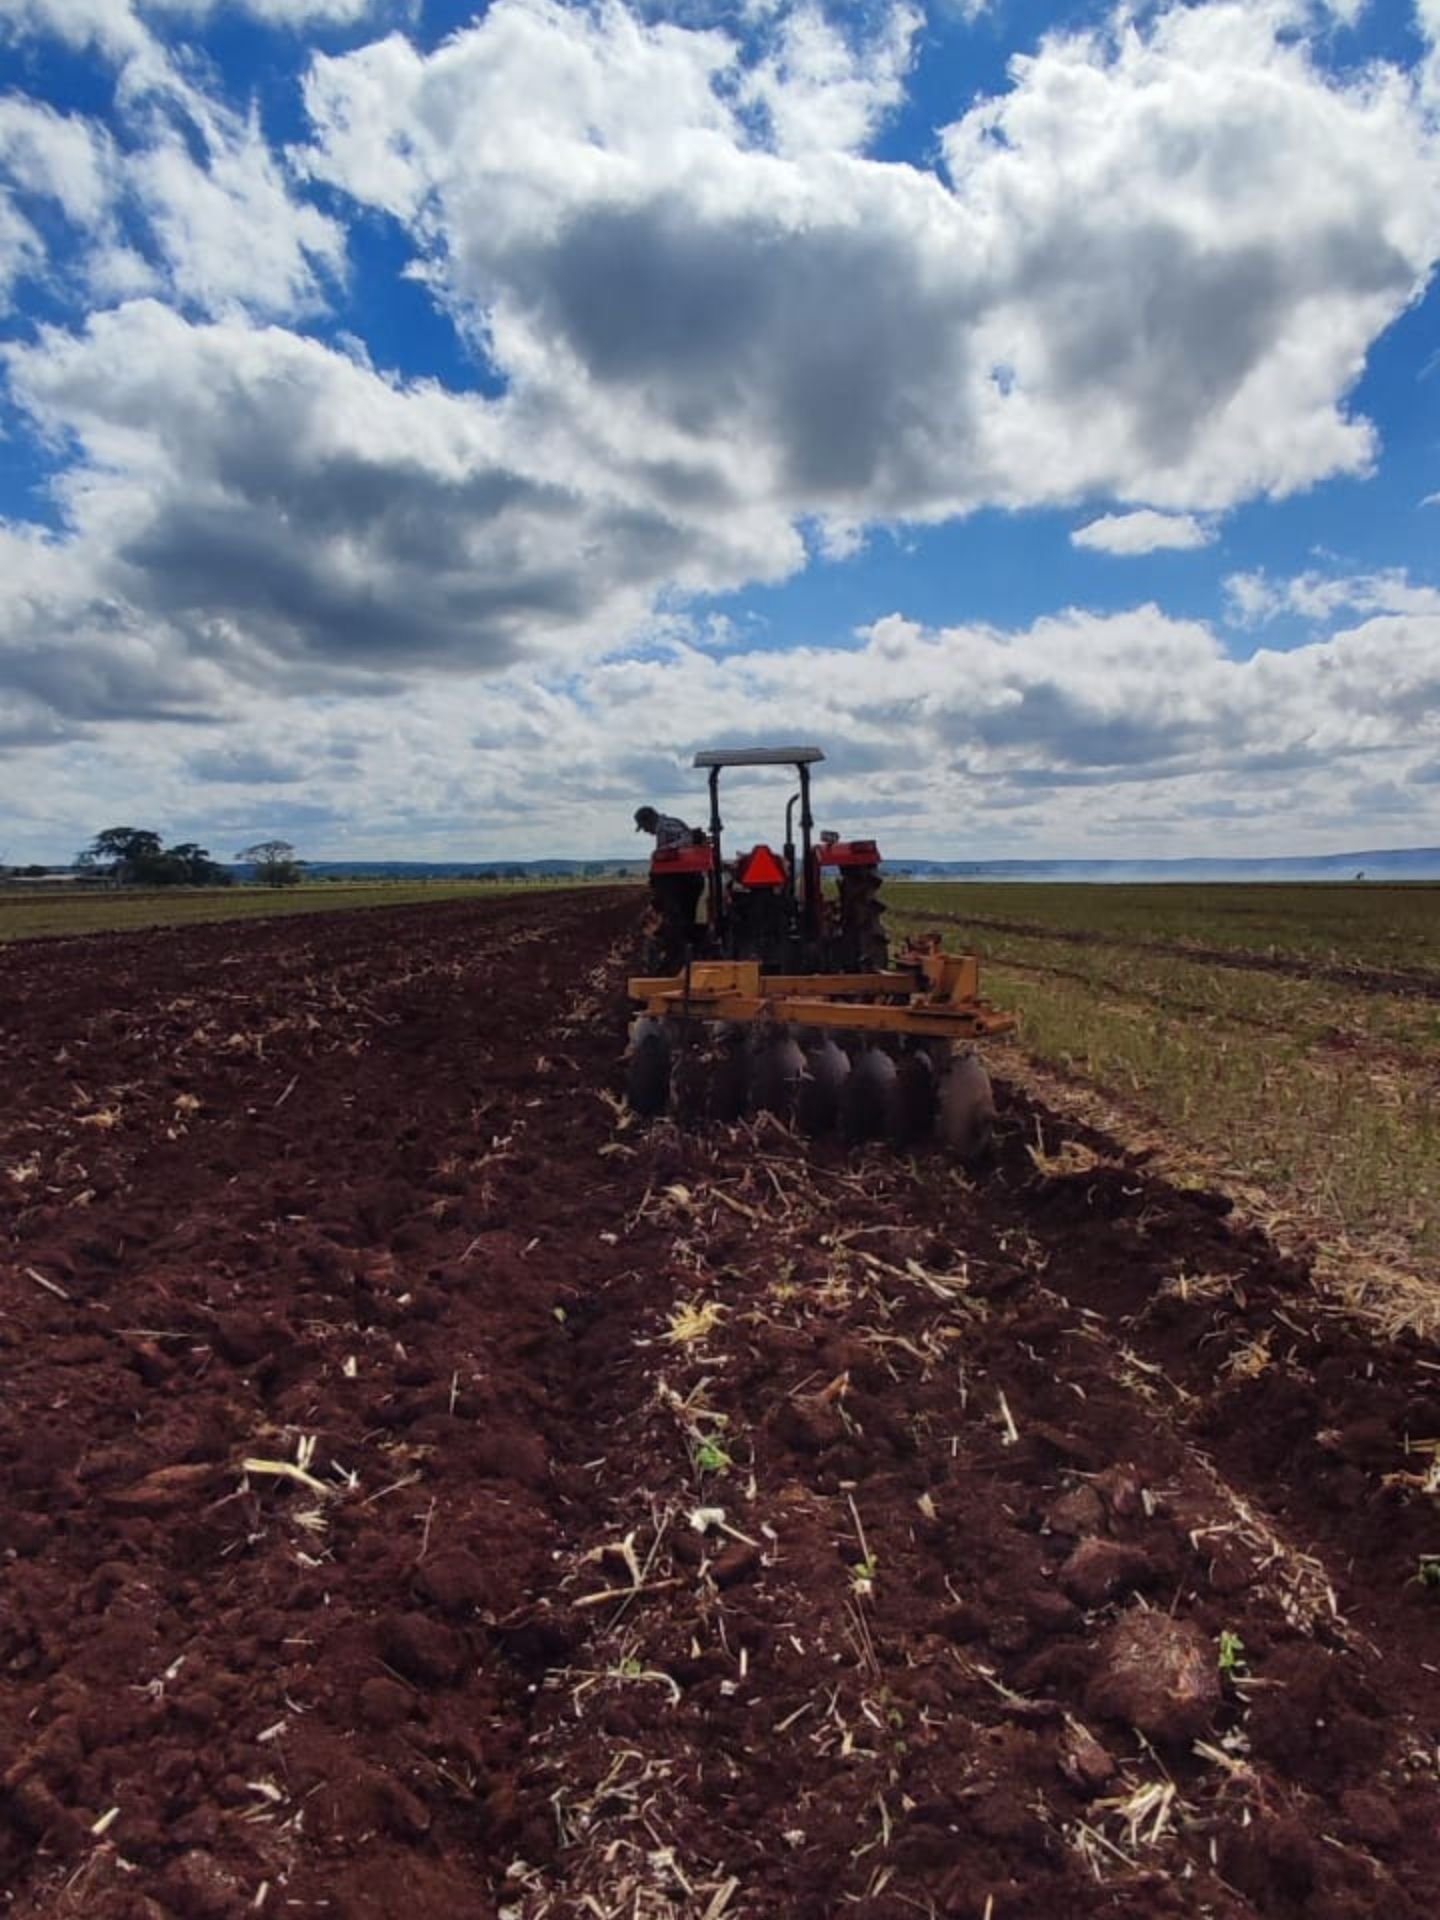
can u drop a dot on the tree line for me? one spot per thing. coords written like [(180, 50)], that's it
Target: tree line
[(136, 857)]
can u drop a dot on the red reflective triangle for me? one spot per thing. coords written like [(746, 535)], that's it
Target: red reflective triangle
[(762, 869)]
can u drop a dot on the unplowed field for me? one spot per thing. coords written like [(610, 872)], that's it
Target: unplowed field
[(423, 1493)]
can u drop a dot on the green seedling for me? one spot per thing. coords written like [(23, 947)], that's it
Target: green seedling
[(864, 1574), (1231, 1658), (1428, 1572), (710, 1457)]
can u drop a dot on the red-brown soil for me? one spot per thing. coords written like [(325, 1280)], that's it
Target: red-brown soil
[(715, 1525)]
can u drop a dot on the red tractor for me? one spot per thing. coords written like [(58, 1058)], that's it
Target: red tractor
[(783, 997), (766, 905)]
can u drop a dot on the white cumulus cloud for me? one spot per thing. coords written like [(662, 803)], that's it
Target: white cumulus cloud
[(280, 509), (1252, 599), (22, 251), (119, 27), (228, 228), (950, 739), (61, 157), (822, 92), (1143, 531), (1152, 269), (48, 157)]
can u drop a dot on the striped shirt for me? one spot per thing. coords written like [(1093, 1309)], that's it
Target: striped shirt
[(670, 832)]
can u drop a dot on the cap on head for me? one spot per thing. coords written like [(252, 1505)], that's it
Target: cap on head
[(646, 819)]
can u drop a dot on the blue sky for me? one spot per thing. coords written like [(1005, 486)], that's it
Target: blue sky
[(423, 426)]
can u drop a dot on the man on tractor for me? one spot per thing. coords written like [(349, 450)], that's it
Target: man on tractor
[(668, 831), (675, 891)]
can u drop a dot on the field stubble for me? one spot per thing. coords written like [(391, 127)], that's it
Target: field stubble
[(1287, 1038)]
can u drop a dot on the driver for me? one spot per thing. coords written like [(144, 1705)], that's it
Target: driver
[(674, 896)]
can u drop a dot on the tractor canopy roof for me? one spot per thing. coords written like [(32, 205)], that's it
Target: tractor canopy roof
[(758, 757)]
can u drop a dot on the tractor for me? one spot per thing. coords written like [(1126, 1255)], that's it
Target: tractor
[(785, 997)]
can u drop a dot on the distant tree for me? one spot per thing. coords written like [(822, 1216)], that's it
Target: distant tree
[(131, 855), (194, 867), (136, 857), (275, 863)]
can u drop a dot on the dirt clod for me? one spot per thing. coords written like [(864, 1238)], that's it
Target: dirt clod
[(384, 1703), (197, 1887), (1121, 1491), (1086, 1764), (403, 1812), (1099, 1569), (456, 1581), (1157, 1674), (738, 1562), (1076, 1513), (424, 1650), (1374, 1820)]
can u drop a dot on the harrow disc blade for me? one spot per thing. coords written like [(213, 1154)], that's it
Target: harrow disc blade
[(710, 1075), (817, 1103), (729, 1077), (865, 1099), (647, 1068), (690, 1079), (966, 1108), (776, 1068), (910, 1105)]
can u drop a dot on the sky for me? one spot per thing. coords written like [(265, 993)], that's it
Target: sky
[(422, 428)]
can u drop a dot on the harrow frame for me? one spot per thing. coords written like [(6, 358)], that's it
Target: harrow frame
[(929, 993)]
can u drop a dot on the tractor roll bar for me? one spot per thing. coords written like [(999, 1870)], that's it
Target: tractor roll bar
[(802, 759), (717, 879)]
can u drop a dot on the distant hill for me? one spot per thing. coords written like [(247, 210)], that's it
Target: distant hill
[(1386, 863)]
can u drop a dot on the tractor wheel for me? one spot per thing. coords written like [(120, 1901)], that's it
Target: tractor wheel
[(862, 920)]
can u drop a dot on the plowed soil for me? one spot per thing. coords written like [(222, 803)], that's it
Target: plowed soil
[(424, 1492)]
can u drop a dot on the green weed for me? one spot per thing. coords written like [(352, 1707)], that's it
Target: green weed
[(711, 1457), (1231, 1657)]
